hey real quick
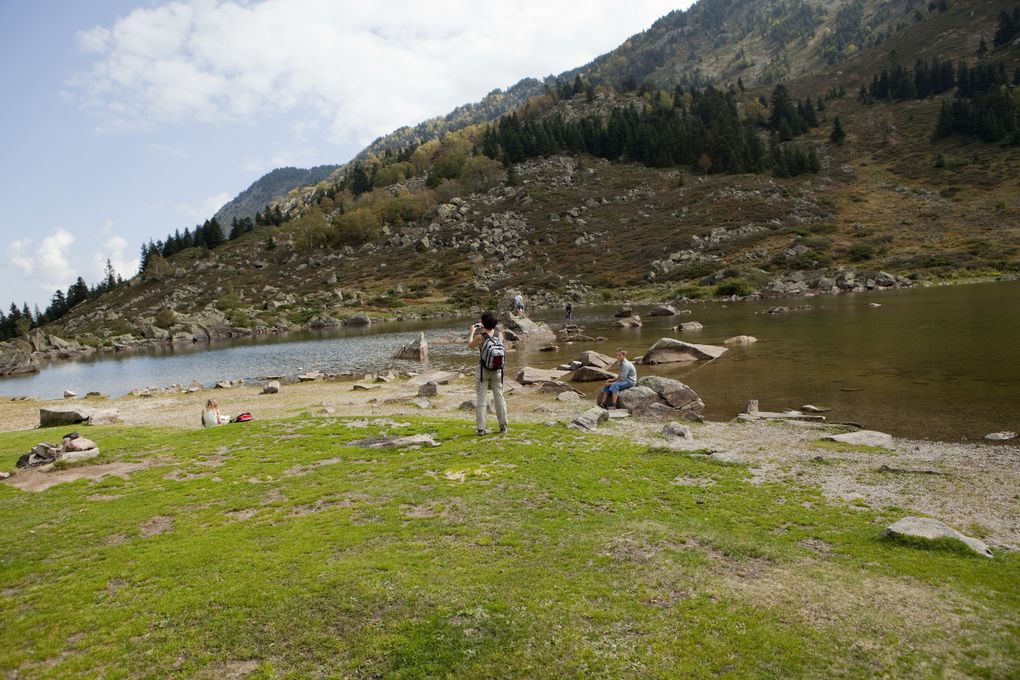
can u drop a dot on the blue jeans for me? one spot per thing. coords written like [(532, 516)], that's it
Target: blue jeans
[(618, 386)]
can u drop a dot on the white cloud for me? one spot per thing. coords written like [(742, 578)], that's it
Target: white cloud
[(115, 249), (204, 209), (355, 69)]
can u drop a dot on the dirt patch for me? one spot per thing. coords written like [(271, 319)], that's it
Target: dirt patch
[(103, 497), (639, 549), (182, 476), (242, 515), (299, 470), (692, 481), (37, 480), (156, 525), (116, 539)]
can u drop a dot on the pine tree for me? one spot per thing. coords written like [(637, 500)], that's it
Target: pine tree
[(213, 234), (837, 135)]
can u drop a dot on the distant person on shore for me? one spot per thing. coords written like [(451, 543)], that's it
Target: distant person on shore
[(627, 379), (211, 416), (568, 313), (490, 371), (519, 304)]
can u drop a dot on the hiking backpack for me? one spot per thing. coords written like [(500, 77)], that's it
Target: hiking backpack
[(493, 352)]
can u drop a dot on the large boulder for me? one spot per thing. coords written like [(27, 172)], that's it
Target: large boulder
[(671, 350), (591, 374), (628, 322), (530, 332), (663, 310), (675, 393), (16, 362), (926, 529), (418, 350), (638, 399)]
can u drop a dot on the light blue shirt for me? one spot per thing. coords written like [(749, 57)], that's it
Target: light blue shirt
[(628, 372)]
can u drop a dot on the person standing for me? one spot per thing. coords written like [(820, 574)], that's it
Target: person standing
[(519, 304), (568, 313), (490, 370), (627, 379)]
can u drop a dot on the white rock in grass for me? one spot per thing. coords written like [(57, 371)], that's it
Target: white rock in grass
[(929, 529), (864, 438)]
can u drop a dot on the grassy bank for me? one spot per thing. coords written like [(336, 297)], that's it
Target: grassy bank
[(281, 549)]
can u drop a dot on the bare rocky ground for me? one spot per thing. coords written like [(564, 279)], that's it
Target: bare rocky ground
[(973, 487)]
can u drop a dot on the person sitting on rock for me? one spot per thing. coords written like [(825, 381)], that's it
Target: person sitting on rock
[(628, 378), (211, 416)]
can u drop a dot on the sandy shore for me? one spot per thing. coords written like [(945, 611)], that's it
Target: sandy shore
[(973, 487)]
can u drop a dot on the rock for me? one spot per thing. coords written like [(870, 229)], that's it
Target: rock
[(364, 387), (467, 405), (60, 343), (530, 332), (809, 408), (429, 389), (153, 332), (50, 417), (388, 376), (322, 321), (874, 304), (438, 377), (40, 454), (310, 376), (417, 350), (1000, 436), (596, 359), (568, 396), (863, 438), (5, 475), (885, 279), (421, 402), (68, 394), (271, 387), (530, 376), (73, 455), (664, 310), (688, 326), (675, 393), (628, 322), (638, 399), (589, 420), (741, 340), (671, 350), (358, 320), (223, 385), (549, 348), (591, 374), (779, 310), (623, 312), (396, 442), (557, 387), (195, 386), (674, 430), (17, 362), (928, 529)]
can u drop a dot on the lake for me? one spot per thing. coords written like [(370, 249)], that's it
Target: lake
[(931, 363)]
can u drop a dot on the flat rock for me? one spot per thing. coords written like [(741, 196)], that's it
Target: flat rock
[(809, 408), (568, 396), (557, 387), (589, 420), (628, 322), (863, 438), (928, 529), (51, 417), (671, 350), (1000, 436), (310, 376), (596, 359), (688, 326), (357, 387), (530, 376)]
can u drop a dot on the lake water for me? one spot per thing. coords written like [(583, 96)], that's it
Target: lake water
[(932, 363)]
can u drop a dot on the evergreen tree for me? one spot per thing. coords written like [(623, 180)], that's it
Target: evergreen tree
[(110, 278), (837, 135), (213, 234)]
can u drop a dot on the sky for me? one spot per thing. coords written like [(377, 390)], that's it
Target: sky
[(121, 121)]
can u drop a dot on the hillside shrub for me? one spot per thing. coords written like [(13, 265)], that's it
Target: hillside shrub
[(859, 252), (357, 227), (737, 287)]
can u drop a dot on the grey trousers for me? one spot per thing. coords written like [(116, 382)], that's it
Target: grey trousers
[(490, 380)]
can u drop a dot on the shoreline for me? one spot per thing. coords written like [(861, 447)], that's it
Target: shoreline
[(970, 486)]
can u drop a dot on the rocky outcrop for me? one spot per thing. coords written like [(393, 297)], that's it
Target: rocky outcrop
[(675, 393), (671, 350), (662, 399), (51, 417), (17, 362)]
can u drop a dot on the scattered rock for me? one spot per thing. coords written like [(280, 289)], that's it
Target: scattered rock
[(589, 420), (68, 394), (674, 430), (664, 310), (438, 377), (628, 322), (928, 529), (596, 359), (224, 385), (549, 348), (365, 387), (310, 376), (809, 408), (1000, 436), (741, 340), (50, 417), (429, 389), (863, 438), (568, 396), (557, 387), (195, 386), (271, 387), (530, 376), (688, 326), (623, 312), (675, 393)]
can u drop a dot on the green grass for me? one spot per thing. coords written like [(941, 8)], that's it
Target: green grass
[(544, 553)]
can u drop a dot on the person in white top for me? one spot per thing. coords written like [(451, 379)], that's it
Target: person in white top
[(519, 304), (211, 416)]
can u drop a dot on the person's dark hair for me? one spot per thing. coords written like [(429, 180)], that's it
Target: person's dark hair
[(489, 320)]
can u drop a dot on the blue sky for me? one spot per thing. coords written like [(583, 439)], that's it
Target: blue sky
[(122, 121)]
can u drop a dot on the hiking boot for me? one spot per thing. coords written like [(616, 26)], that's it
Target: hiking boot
[(481, 433), (502, 429)]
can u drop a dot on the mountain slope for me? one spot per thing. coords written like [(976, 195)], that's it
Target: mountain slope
[(270, 188)]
